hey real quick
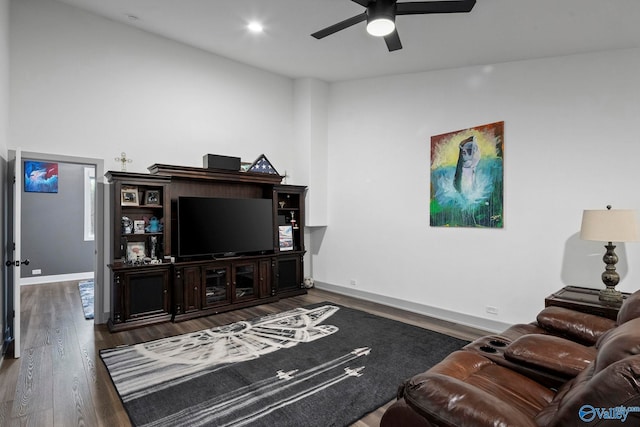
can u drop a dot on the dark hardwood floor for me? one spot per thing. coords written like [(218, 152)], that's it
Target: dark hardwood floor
[(60, 380)]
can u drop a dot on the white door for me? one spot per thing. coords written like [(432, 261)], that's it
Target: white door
[(14, 184)]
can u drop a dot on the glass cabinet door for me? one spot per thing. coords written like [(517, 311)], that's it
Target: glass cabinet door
[(245, 280), (216, 285)]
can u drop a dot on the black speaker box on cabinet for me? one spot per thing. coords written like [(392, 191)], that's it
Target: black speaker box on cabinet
[(215, 161)]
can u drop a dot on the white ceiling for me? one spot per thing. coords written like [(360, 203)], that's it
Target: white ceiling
[(495, 31)]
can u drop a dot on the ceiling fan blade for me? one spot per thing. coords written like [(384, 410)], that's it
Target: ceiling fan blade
[(422, 7), (340, 26), (393, 41), (363, 3)]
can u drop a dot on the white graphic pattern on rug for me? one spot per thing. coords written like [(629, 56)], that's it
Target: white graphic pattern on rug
[(248, 400), (145, 368)]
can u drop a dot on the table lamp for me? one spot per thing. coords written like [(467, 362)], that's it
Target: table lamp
[(610, 225)]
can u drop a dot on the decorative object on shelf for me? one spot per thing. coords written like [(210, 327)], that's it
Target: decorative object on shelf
[(263, 165), (40, 177), (610, 225), (138, 226), (153, 247), (123, 161), (285, 177), (282, 203), (293, 221), (127, 225), (129, 196), (285, 234), (152, 198), (135, 252), (467, 175), (123, 248), (308, 282), (245, 166), (155, 226)]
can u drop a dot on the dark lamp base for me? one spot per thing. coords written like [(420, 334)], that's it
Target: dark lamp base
[(610, 296)]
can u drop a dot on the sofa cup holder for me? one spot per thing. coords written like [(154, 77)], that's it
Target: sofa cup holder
[(488, 349), (497, 343)]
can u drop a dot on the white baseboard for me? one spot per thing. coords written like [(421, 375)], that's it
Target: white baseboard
[(38, 280), (488, 325)]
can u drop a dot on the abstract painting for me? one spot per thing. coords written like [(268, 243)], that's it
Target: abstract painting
[(40, 177), (467, 175)]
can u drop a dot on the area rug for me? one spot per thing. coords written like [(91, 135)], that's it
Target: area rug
[(86, 296), (321, 365)]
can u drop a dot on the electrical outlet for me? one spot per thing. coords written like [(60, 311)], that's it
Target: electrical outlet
[(354, 282), (492, 310), (36, 271)]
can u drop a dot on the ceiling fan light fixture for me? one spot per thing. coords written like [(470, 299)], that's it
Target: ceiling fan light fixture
[(381, 17), (380, 26)]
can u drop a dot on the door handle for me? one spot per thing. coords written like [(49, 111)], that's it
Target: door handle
[(17, 263)]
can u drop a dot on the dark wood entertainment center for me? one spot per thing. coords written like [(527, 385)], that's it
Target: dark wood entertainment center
[(147, 290)]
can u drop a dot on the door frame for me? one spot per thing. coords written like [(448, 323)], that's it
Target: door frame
[(11, 302), (100, 316)]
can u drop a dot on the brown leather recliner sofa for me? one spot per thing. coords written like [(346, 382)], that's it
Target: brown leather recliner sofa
[(566, 369)]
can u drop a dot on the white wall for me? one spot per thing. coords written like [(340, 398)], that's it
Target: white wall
[(87, 86), (571, 142), (311, 144)]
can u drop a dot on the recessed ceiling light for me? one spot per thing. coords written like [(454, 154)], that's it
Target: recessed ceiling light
[(255, 27)]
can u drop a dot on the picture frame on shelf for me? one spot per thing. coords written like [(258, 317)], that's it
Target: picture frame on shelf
[(138, 226), (152, 198), (135, 251), (129, 196), (285, 237)]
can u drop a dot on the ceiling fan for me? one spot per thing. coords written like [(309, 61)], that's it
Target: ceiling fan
[(381, 16)]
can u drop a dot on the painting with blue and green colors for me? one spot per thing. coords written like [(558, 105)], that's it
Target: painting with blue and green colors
[(467, 174)]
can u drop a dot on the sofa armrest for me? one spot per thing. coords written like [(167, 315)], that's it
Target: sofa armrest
[(400, 414), (582, 327), (451, 402), (466, 389), (550, 353)]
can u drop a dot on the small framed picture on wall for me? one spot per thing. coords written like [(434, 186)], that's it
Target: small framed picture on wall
[(40, 177)]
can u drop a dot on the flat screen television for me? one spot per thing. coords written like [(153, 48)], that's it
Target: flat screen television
[(224, 227)]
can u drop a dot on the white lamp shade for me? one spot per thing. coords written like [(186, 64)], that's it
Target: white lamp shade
[(614, 225)]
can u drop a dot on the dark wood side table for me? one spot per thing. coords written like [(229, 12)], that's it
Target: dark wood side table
[(584, 300)]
